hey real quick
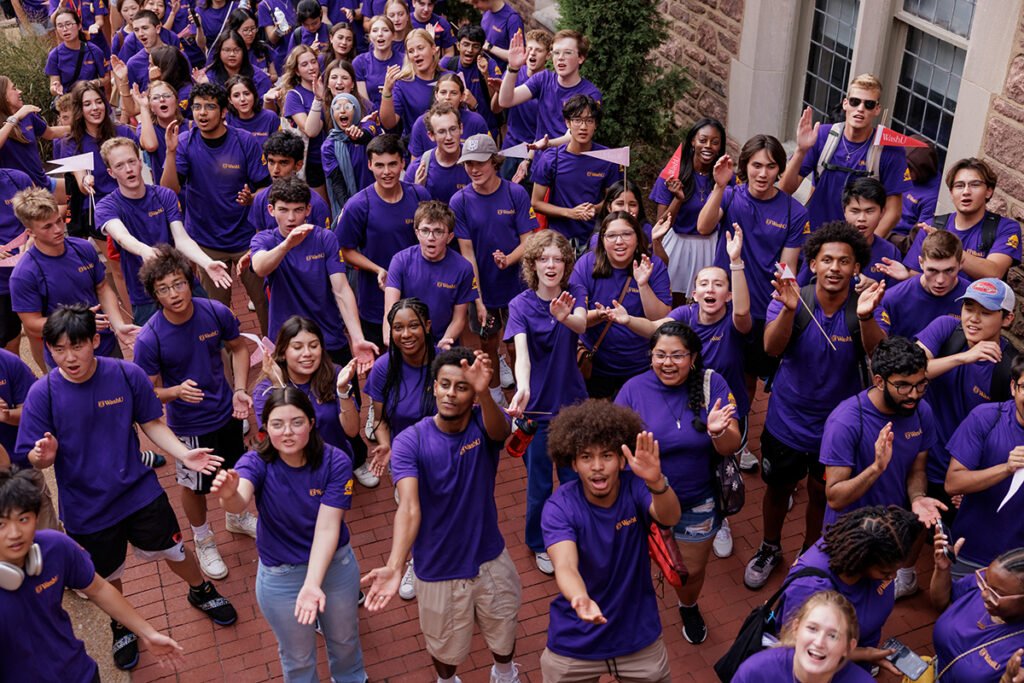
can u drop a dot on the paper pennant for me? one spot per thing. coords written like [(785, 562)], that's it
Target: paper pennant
[(671, 169), (79, 162), (1015, 483), (887, 137), (519, 151), (619, 155), (16, 242), (10, 261), (263, 346), (785, 272)]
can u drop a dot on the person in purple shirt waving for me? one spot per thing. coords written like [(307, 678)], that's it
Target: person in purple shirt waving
[(438, 169), (11, 183), (479, 73), (823, 361), (447, 88), (146, 27), (859, 555), (909, 306), (21, 127), (371, 67), (522, 118), (344, 151), (37, 641), (74, 59), (246, 110), (991, 242), (814, 645), (445, 468), (978, 637), (920, 200), (307, 574), (545, 323), (606, 615), (500, 22), (423, 16), (303, 90), (986, 450), (230, 57), (443, 277), (407, 91), (853, 155), (79, 420)]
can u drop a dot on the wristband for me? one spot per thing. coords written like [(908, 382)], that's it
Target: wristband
[(387, 95), (864, 320), (660, 491), (515, 71), (13, 120), (347, 394), (719, 435), (737, 266)]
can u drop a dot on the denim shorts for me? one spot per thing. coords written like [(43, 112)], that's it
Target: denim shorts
[(699, 522)]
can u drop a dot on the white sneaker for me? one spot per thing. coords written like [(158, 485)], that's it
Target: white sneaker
[(790, 503), (244, 523), (905, 587), (209, 558), (251, 306), (407, 589), (505, 374), (499, 397), (748, 461), (365, 477), (544, 563), (505, 678), (723, 540)]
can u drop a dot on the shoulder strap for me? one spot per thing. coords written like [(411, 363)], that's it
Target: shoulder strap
[(955, 342), (999, 387), (803, 317), (874, 159), (988, 232), (831, 143), (607, 325), (801, 574), (940, 222), (707, 387), (84, 45), (853, 325)]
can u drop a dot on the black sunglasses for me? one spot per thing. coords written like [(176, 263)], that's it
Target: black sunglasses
[(856, 102)]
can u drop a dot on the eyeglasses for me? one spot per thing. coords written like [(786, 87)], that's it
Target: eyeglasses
[(247, 29), (677, 358), (583, 121), (231, 51), (65, 25), (431, 232), (989, 593), (616, 236), (178, 286), (447, 132), (960, 185), (856, 102), (209, 106), (161, 98), (905, 388)]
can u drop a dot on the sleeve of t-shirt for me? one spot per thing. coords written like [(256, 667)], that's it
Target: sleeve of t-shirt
[(516, 321), (396, 271), (936, 333), (659, 193), (682, 314), (543, 165), (39, 126), (21, 379), (410, 171), (911, 259), (264, 240), (99, 59), (774, 308), (798, 592), (98, 271), (332, 253), (181, 155), (35, 418), (556, 523), (106, 211), (145, 405), (375, 381), (458, 207), (967, 444), (840, 442), (252, 468), (536, 82), (962, 587), (293, 104), (79, 571), (883, 314), (359, 66), (256, 170), (226, 320), (526, 217), (169, 200), (145, 355), (338, 492), (466, 292), (51, 68), (26, 293), (403, 455), (719, 391), (929, 436), (264, 14), (353, 221), (895, 175), (659, 281), (799, 224), (1007, 239), (400, 104)]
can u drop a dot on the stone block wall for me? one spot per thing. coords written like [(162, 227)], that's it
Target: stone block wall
[(1003, 142)]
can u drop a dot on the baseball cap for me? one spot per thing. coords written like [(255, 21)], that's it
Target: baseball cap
[(991, 293), (479, 147)]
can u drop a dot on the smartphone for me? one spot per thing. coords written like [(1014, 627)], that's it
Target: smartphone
[(948, 550), (904, 659)]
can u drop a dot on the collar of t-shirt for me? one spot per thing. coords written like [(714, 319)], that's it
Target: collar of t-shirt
[(214, 142)]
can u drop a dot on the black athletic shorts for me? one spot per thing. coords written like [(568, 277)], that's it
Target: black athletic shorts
[(755, 361), (782, 465), (226, 441)]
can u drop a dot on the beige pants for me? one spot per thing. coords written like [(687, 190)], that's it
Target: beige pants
[(649, 665)]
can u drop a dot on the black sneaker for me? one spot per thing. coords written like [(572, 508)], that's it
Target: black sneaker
[(125, 648), (694, 628), (206, 598), (362, 598)]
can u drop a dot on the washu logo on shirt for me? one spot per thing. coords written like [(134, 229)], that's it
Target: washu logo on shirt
[(977, 390), (594, 174), (207, 335), (840, 338), (106, 403), (313, 493), (996, 666), (506, 212), (157, 212), (314, 257), (470, 446), (882, 586), (624, 523), (911, 434), (775, 223), (86, 267), (445, 285), (46, 584)]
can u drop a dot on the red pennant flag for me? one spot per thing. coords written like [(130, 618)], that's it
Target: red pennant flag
[(672, 169), (887, 137)]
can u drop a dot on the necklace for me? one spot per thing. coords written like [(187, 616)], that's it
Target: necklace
[(702, 187), (678, 418), (850, 150)]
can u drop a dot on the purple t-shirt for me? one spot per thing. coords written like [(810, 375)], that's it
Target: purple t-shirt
[(615, 567), (686, 454), (302, 36), (442, 285), (686, 219), (500, 26), (984, 439), (214, 19), (15, 380), (411, 99), (138, 70), (477, 86), (776, 664), (873, 600), (11, 182), (919, 204), (105, 184), (24, 156), (213, 178), (289, 499), (62, 60), (455, 474), (442, 181), (723, 349), (99, 472), (41, 283), (147, 220), (437, 26), (769, 226), (405, 406), (260, 126), (155, 159), (522, 118), (371, 71), (37, 641), (299, 100), (812, 379), (419, 142), (379, 230), (953, 394), (826, 203), (1007, 241), (555, 379), (301, 283), (327, 412), (573, 179), (192, 351), (259, 216), (966, 625), (260, 80), (908, 307), (550, 96), (849, 441), (494, 222), (622, 353)]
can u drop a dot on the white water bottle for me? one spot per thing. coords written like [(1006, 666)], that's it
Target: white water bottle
[(244, 4), (281, 20)]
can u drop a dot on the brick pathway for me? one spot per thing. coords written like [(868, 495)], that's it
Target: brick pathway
[(392, 645)]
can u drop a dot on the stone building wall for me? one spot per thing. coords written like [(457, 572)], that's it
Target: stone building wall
[(1003, 142)]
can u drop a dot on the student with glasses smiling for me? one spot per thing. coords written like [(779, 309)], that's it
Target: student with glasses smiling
[(852, 157)]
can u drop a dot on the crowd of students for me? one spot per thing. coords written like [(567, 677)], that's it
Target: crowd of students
[(326, 157)]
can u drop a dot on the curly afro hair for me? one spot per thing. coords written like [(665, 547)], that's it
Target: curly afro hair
[(591, 423)]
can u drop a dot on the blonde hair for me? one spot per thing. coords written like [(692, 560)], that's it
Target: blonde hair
[(113, 143), (157, 83), (289, 76), (867, 82), (34, 204), (839, 604), (408, 18), (535, 246), (380, 17), (408, 71)]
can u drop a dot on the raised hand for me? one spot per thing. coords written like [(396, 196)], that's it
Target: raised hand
[(883, 447), (345, 376), (723, 171), (928, 510), (645, 461), (272, 370), (869, 299), (806, 131), (894, 269), (1014, 672), (517, 51), (734, 243), (675, 186), (244, 196), (479, 373), (941, 541), (171, 137), (642, 271), (318, 87), (720, 416), (120, 72), (199, 75), (561, 306), (539, 144), (225, 484), (617, 313), (363, 352), (390, 76), (298, 234), (661, 228), (420, 178), (786, 291), (587, 610)]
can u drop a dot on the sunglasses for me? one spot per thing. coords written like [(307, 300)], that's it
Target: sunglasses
[(856, 102)]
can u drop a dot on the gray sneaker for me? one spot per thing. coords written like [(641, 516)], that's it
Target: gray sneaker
[(761, 566), (748, 461)]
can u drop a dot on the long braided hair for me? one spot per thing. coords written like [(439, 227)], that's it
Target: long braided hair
[(393, 378), (1013, 562), (873, 536), (695, 378)]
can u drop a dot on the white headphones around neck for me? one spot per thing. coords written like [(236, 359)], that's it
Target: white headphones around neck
[(12, 576)]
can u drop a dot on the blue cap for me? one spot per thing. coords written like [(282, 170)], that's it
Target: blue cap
[(991, 293)]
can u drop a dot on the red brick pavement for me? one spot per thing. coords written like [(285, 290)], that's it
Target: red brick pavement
[(393, 647)]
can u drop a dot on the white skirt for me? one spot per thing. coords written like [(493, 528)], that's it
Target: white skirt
[(687, 254)]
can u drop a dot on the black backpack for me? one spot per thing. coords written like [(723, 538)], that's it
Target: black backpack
[(999, 387), (761, 620)]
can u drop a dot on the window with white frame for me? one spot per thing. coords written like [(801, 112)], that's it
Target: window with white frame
[(833, 29)]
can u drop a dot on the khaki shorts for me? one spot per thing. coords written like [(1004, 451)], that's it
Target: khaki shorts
[(649, 665), (448, 610)]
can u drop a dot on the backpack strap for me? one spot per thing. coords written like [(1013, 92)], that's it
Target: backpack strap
[(771, 603), (955, 342), (707, 387), (999, 386), (829, 150), (988, 231), (940, 222)]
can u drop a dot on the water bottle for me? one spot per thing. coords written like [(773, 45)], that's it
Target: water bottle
[(281, 20), (244, 4), (522, 435)]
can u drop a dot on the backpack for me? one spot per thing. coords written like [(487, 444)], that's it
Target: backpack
[(999, 387), (828, 151), (761, 620)]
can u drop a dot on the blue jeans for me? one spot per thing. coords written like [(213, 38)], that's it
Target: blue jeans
[(539, 485), (276, 590)]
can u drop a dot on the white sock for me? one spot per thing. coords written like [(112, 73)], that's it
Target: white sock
[(501, 668), (201, 531), (446, 680), (686, 606), (906, 573)]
